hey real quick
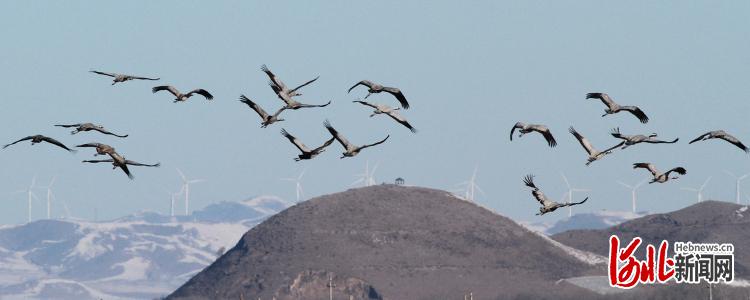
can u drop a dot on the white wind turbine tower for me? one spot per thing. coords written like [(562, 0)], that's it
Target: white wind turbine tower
[(186, 188), (30, 192), (570, 192), (633, 189), (368, 177), (471, 186), (737, 183), (699, 191), (172, 198), (49, 195), (297, 185)]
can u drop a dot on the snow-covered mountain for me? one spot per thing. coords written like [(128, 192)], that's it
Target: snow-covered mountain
[(142, 256), (595, 220)]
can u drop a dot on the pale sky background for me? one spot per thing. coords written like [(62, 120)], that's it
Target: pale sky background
[(470, 71)]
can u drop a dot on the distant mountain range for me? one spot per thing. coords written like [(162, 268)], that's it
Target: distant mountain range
[(142, 256), (706, 222), (392, 242), (595, 220)]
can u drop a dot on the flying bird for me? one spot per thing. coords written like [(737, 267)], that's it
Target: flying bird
[(659, 177), (350, 149), (122, 77), (613, 108), (267, 119), (285, 94), (80, 127), (720, 134), (279, 86), (527, 128), (631, 140), (122, 164), (391, 112), (594, 155), (374, 88), (547, 204), (40, 138), (180, 97), (291, 103), (306, 152), (101, 149)]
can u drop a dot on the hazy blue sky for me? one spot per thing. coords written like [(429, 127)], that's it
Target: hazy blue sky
[(470, 70)]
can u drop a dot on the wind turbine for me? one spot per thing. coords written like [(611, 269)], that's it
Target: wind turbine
[(570, 193), (737, 183), (30, 192), (172, 198), (298, 185), (699, 191), (633, 189), (471, 186), (49, 194), (368, 177), (186, 188)]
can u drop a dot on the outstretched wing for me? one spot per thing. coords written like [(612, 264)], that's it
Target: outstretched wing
[(730, 138), (654, 141), (366, 83), (304, 84), (203, 93), (340, 138), (572, 203), (700, 137), (376, 143), (104, 131), (547, 135), (302, 105), (135, 163), (616, 133), (582, 140), (365, 103), (90, 145), (68, 126), (276, 81), (294, 141), (104, 73), (614, 147), (648, 166), (399, 118), (399, 96), (679, 170), (142, 78), (604, 98), (529, 181), (538, 195), (262, 113), (95, 161), (169, 88), (518, 125), (326, 144), (18, 141), (636, 112), (56, 143)]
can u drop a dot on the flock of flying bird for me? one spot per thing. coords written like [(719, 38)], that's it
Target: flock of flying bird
[(548, 205), (285, 94)]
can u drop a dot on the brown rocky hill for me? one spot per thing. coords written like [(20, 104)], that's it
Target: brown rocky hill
[(390, 242)]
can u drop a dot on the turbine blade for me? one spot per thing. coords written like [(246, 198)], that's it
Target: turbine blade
[(625, 185), (182, 175), (565, 179)]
